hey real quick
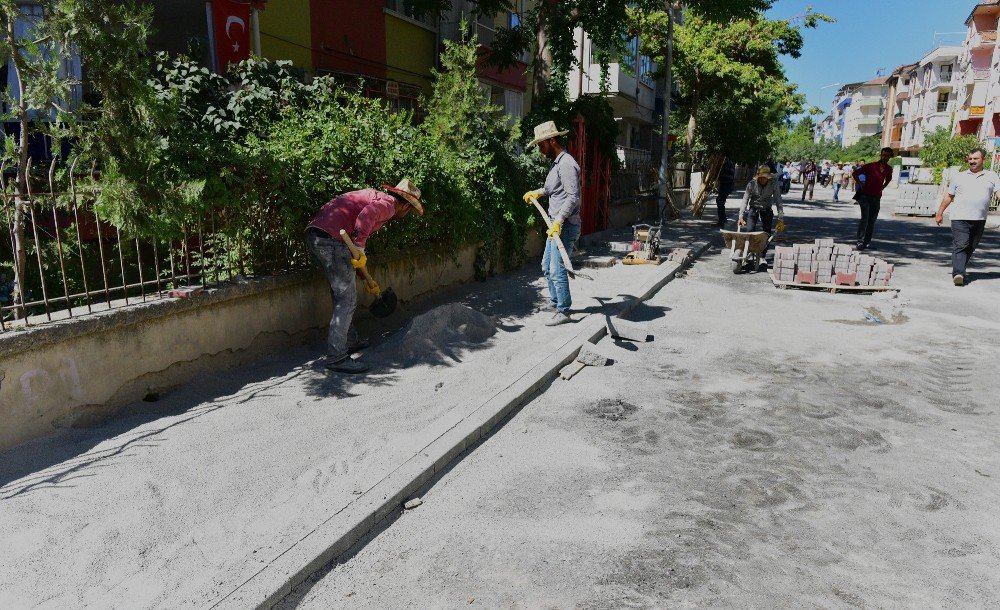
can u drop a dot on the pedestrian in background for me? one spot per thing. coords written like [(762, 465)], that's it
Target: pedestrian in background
[(727, 184), (824, 174), (809, 182), (837, 178), (786, 178), (802, 170), (874, 177), (969, 197), (562, 187)]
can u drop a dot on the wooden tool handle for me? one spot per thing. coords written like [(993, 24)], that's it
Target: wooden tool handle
[(356, 254), (563, 254)]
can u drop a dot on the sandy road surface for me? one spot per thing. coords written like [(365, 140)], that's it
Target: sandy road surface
[(771, 448)]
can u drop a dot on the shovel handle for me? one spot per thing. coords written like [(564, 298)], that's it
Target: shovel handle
[(563, 254), (356, 254)]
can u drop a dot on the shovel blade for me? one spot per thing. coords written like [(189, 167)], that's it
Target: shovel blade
[(384, 305)]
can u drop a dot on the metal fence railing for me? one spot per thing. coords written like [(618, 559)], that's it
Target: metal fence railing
[(62, 259)]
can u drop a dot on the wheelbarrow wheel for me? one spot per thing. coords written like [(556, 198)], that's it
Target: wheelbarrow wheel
[(737, 266)]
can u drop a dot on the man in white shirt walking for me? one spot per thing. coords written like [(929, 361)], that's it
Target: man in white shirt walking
[(969, 196)]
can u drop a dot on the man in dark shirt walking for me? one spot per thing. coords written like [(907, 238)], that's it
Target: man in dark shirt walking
[(874, 177), (727, 184)]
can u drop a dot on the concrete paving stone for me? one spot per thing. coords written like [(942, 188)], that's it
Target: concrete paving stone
[(846, 279)]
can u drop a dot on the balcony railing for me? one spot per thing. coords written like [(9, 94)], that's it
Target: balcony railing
[(984, 38), (942, 106)]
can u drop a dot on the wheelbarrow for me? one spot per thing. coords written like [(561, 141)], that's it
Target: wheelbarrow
[(746, 248)]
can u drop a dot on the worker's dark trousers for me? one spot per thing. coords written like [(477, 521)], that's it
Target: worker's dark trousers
[(760, 219), (335, 259), (725, 189), (965, 236), (869, 213)]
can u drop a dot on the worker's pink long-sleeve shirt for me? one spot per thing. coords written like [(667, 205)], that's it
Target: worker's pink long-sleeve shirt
[(360, 213)]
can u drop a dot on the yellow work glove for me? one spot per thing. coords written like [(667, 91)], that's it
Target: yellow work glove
[(555, 231), (359, 262), (533, 195), (373, 288), (780, 227)]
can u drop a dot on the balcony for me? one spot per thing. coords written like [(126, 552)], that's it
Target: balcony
[(902, 96), (868, 121), (984, 39), (898, 119), (844, 103), (976, 74), (870, 101)]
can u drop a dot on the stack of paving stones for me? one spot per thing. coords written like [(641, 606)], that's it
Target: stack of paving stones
[(826, 262)]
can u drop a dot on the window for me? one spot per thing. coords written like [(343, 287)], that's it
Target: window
[(401, 7), (515, 15), (946, 73), (942, 101), (628, 60), (646, 69)]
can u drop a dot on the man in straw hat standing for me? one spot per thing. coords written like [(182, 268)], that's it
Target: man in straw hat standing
[(761, 193), (562, 187), (360, 213)]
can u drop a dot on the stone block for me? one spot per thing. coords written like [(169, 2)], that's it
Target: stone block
[(846, 279), (806, 277)]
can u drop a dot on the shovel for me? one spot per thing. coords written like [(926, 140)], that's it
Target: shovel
[(563, 254), (385, 302)]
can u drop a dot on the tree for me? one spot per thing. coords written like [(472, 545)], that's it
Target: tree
[(734, 88), (941, 149), (34, 41)]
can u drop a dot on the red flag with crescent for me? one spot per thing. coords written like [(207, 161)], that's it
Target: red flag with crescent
[(231, 20)]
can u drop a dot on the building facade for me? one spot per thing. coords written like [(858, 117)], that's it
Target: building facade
[(865, 114), (631, 89), (932, 96), (977, 112)]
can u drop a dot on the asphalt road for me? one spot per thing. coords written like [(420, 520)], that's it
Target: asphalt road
[(769, 448)]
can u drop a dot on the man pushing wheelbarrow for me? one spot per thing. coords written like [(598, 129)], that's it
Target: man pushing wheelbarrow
[(749, 248)]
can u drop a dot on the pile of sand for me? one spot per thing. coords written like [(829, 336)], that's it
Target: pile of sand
[(441, 329)]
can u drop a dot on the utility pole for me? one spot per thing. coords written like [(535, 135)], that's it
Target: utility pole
[(665, 198)]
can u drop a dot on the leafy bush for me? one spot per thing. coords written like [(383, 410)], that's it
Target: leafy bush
[(256, 152)]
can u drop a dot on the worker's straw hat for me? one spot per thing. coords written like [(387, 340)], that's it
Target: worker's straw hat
[(763, 172), (408, 191), (545, 131)]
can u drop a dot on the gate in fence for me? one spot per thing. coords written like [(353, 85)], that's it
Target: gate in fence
[(595, 179)]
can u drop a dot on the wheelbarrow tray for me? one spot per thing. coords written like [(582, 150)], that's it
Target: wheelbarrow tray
[(758, 240)]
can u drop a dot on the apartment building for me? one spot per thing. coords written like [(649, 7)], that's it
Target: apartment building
[(631, 87), (839, 111), (897, 95), (977, 112), (864, 116), (824, 130), (931, 95)]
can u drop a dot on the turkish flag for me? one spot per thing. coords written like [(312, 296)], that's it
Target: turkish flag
[(231, 20)]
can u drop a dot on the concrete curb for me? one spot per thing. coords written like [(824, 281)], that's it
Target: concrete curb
[(464, 428)]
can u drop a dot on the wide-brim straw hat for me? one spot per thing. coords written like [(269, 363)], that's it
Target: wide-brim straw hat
[(763, 172), (408, 191), (545, 131)]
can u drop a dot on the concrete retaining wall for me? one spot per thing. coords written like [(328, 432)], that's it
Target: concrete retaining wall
[(79, 371)]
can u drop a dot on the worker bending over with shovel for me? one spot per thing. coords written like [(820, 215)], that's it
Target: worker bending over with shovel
[(562, 187), (359, 213), (761, 193)]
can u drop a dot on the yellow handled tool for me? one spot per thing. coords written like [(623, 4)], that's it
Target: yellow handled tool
[(562, 249), (385, 302)]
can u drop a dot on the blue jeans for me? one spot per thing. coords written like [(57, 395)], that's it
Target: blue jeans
[(554, 270), (836, 190)]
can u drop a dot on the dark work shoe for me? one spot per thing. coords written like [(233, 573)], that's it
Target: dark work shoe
[(358, 345), (861, 248), (347, 365), (559, 318)]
